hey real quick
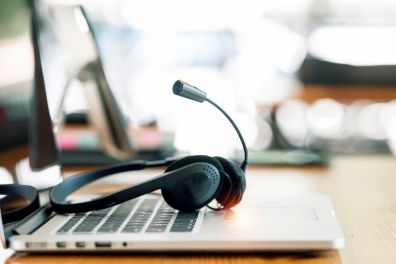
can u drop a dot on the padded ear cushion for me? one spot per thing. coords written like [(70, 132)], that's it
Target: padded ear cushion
[(237, 177), (187, 161), (192, 159)]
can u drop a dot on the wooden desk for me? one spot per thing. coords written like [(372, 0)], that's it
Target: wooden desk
[(362, 188), (345, 93)]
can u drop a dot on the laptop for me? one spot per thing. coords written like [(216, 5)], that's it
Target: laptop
[(147, 224)]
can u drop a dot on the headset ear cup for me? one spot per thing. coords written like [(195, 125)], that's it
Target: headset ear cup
[(169, 195), (225, 191), (237, 186), (191, 159)]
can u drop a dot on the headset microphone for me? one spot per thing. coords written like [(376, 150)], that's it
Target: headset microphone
[(189, 91)]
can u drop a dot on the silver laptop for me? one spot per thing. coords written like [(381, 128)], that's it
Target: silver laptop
[(264, 223), (258, 223)]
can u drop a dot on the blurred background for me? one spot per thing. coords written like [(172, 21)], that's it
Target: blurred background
[(303, 79)]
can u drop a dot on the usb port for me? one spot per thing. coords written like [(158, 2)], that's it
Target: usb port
[(61, 244), (36, 245), (80, 244), (103, 244)]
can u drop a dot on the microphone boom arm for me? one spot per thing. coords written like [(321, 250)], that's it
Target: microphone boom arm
[(245, 159)]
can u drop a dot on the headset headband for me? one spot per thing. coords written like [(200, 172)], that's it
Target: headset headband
[(25, 191)]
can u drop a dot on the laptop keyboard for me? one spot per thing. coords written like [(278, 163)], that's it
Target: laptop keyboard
[(149, 215)]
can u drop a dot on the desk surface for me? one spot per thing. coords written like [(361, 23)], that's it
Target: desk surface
[(363, 191)]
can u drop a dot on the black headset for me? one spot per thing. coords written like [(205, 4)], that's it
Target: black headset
[(25, 191), (188, 183)]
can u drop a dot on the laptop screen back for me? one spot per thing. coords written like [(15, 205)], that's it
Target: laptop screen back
[(43, 150)]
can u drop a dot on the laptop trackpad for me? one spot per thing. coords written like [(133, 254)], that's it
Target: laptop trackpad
[(275, 214)]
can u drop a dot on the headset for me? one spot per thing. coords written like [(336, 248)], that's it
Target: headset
[(28, 192), (188, 183)]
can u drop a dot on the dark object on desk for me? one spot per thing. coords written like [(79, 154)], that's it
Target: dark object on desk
[(315, 70)]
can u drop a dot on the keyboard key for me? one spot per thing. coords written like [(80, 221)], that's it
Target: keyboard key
[(184, 222), (161, 219), (117, 218), (91, 221), (141, 216), (70, 223)]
